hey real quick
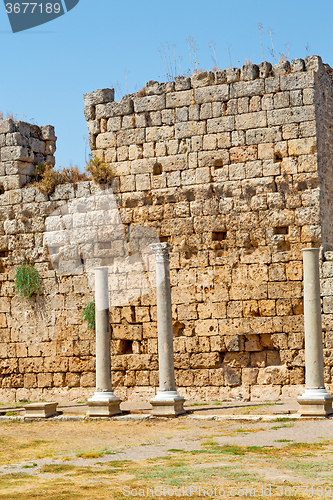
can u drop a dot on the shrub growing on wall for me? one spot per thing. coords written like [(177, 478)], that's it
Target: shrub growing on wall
[(88, 315), (99, 172), (27, 281)]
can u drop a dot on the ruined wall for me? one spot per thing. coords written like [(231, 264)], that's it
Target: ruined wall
[(23, 146), (233, 169), (224, 166)]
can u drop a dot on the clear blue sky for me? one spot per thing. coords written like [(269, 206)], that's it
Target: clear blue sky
[(103, 43)]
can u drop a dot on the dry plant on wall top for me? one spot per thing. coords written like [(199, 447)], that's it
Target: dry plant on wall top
[(99, 171), (46, 178)]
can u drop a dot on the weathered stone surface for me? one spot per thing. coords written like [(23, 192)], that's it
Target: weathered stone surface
[(281, 68), (98, 97), (202, 79), (265, 69), (233, 170), (149, 103), (249, 72)]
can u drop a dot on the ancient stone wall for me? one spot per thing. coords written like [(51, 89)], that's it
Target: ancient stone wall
[(224, 166), (23, 146), (233, 169)]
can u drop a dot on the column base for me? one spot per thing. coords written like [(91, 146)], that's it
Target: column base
[(40, 410), (315, 403), (103, 404), (167, 404)]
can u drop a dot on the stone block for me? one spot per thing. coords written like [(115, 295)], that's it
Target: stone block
[(40, 410), (202, 79), (129, 137), (30, 380), (102, 409), (232, 376), (258, 359), (247, 89), (249, 72), (182, 83), (265, 69), (7, 126), (232, 74), (297, 65), (112, 109), (106, 140), (88, 379), (281, 68), (265, 393), (188, 129), (157, 88), (44, 380), (201, 378), (249, 376), (263, 135), (12, 153), (206, 327), (233, 342), (236, 359), (98, 97), (168, 408), (276, 375), (216, 377), (72, 379), (313, 63), (251, 120), (221, 124), (305, 146), (216, 93), (149, 103), (205, 360), (220, 77), (179, 99)]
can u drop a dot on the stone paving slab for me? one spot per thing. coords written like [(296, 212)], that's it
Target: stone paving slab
[(198, 408), (141, 410)]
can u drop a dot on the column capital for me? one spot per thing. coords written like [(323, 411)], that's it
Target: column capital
[(161, 251)]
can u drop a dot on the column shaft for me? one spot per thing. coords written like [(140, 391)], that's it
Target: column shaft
[(315, 400), (103, 403), (314, 374), (103, 358), (167, 402), (164, 326)]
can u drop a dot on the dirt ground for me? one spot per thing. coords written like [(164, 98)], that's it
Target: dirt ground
[(160, 458)]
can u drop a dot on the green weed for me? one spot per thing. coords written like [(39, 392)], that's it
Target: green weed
[(27, 280), (88, 315)]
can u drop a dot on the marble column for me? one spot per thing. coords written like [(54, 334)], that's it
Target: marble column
[(167, 402), (103, 403), (315, 400)]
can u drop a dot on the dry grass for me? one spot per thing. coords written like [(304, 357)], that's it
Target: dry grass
[(46, 178), (142, 92), (96, 475), (9, 116), (99, 171)]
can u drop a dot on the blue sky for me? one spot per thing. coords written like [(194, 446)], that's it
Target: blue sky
[(104, 43)]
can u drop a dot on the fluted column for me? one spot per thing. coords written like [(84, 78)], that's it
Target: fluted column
[(315, 400), (167, 401), (103, 402)]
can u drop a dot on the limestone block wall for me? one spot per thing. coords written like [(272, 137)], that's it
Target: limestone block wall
[(23, 146), (233, 169)]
